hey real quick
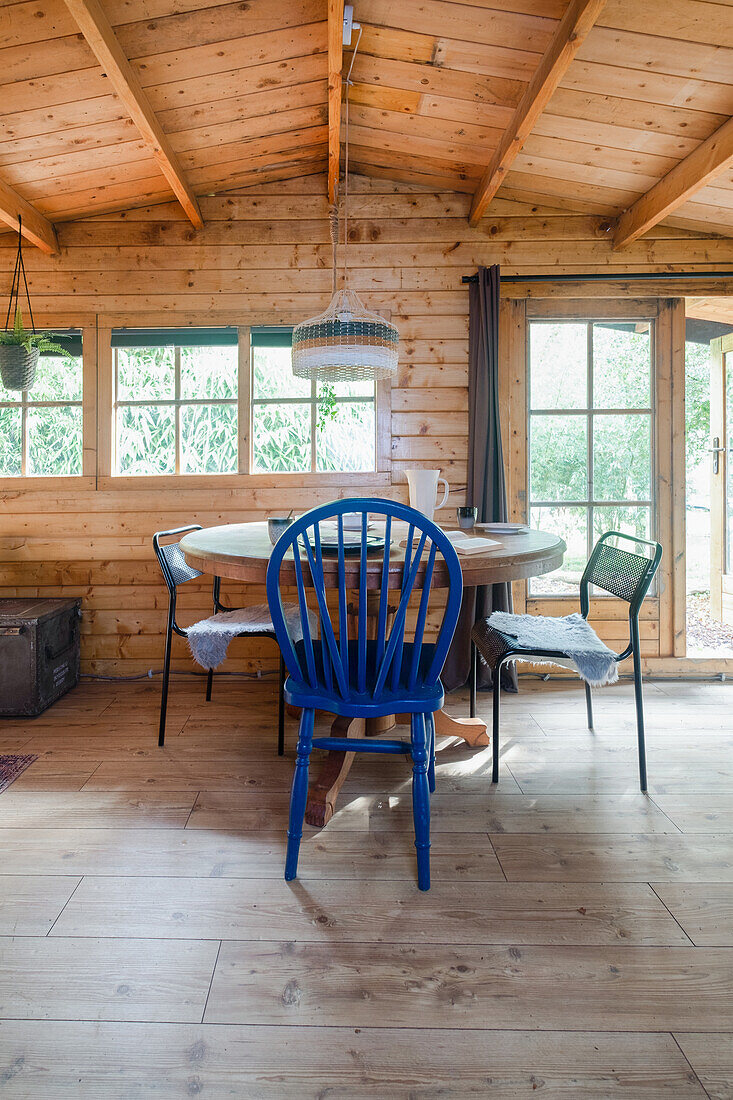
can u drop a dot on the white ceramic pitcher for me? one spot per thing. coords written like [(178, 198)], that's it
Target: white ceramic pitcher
[(423, 488)]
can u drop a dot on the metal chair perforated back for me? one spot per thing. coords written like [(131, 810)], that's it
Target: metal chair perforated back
[(172, 562), (622, 573)]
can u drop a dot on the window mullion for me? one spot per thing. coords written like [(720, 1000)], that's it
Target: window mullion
[(177, 397), (245, 411), (313, 411), (24, 434), (591, 472)]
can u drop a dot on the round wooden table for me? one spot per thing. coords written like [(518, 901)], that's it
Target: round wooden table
[(241, 552)]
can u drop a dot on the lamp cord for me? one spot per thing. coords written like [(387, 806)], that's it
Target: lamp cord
[(346, 160), (333, 224)]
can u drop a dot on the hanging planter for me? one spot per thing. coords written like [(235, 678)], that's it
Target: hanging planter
[(20, 348), (18, 366)]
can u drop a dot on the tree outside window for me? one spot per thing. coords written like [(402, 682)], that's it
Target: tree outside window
[(590, 436)]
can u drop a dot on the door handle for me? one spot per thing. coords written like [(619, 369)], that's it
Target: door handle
[(716, 451)]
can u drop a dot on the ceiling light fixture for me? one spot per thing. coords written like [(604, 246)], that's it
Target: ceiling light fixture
[(347, 342)]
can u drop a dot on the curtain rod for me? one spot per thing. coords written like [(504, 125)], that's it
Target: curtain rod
[(600, 277)]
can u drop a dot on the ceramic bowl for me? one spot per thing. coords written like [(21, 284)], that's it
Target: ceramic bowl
[(276, 525)]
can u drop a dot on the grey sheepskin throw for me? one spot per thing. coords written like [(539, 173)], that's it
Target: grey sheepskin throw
[(571, 634), (209, 640)]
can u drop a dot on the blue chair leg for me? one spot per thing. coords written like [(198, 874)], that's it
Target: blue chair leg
[(421, 799), (281, 711), (299, 793), (430, 721)]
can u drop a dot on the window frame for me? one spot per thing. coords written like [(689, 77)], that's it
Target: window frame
[(108, 479), (589, 412), (177, 403), (86, 324)]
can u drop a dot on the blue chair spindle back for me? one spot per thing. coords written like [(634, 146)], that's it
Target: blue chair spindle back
[(325, 665)]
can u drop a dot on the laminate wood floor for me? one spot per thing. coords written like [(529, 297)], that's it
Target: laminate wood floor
[(577, 940)]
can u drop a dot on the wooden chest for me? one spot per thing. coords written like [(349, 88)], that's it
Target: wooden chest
[(39, 653)]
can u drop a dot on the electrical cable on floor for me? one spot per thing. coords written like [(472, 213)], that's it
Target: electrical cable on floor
[(155, 672)]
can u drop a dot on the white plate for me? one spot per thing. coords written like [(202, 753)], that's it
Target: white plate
[(503, 528), (332, 526)]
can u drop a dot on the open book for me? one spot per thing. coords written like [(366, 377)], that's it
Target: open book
[(464, 543)]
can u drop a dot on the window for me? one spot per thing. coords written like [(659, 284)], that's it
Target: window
[(300, 426), (41, 430), (186, 402), (176, 401), (590, 436)]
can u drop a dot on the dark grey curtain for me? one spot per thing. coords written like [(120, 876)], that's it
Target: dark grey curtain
[(486, 481)]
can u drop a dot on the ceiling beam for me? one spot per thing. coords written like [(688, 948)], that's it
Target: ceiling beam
[(335, 61), (697, 169), (569, 36), (35, 228), (95, 27)]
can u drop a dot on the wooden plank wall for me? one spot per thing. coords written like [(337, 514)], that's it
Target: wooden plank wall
[(264, 256)]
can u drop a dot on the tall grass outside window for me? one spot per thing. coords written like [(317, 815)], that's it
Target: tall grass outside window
[(176, 408), (304, 426)]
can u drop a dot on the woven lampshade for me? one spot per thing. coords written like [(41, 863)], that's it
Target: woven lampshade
[(345, 343)]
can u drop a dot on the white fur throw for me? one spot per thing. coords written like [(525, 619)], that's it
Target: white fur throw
[(209, 639), (595, 662)]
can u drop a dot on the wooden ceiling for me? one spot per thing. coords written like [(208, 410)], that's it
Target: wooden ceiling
[(619, 108)]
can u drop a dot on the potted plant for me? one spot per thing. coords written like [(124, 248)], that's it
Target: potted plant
[(19, 352)]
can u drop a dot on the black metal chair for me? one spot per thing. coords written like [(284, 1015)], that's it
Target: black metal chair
[(176, 572), (620, 572)]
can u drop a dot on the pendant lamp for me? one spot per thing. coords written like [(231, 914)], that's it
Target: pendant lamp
[(347, 342)]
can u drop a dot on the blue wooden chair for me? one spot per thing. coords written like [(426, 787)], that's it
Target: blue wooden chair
[(361, 677)]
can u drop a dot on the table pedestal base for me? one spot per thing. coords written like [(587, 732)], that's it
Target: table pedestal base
[(325, 788)]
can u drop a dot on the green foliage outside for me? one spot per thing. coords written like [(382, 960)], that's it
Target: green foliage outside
[(344, 414), (617, 465), (345, 428), (54, 441), (697, 403), (146, 434)]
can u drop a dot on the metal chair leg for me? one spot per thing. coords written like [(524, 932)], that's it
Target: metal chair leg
[(495, 725), (281, 711), (639, 700), (430, 722), (421, 799), (299, 794), (474, 678), (209, 683), (166, 677), (589, 705)]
